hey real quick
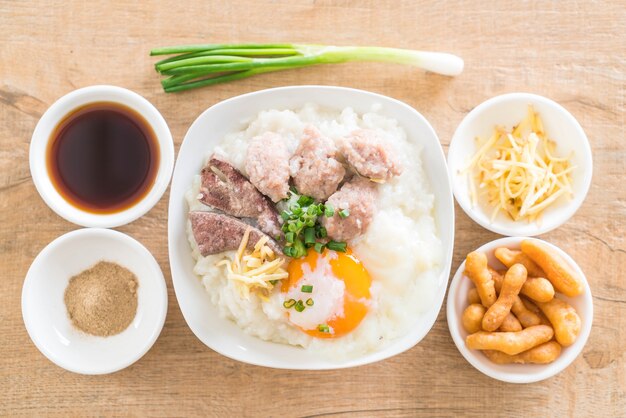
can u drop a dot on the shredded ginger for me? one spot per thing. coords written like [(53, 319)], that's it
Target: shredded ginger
[(256, 271), (518, 172)]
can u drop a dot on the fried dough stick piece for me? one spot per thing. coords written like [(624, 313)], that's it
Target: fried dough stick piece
[(509, 257), (473, 297), (510, 324), (472, 317), (542, 354), (561, 275), (510, 286), (525, 316), (564, 319), (510, 342), (477, 270)]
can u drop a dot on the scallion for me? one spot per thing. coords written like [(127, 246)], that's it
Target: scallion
[(323, 328), (309, 236), (195, 66), (306, 288), (289, 303), (299, 306), (344, 213), (305, 200), (309, 302), (300, 249), (337, 246)]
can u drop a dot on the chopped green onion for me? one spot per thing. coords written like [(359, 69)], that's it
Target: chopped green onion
[(292, 228), (309, 236), (285, 215), (323, 328), (290, 237), (289, 303), (344, 213), (296, 210), (300, 249), (306, 289), (337, 246), (312, 210), (299, 306), (329, 210), (322, 233), (319, 247), (309, 302), (310, 223), (305, 200)]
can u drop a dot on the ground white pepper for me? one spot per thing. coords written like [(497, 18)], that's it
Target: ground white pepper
[(102, 300)]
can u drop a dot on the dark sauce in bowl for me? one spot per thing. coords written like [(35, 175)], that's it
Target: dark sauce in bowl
[(103, 157)]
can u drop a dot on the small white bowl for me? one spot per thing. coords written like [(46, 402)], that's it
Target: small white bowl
[(45, 314), (64, 106), (508, 110), (515, 373)]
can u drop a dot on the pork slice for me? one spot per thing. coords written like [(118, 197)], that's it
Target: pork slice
[(215, 233), (314, 169), (370, 154), (358, 197), (267, 165), (225, 188)]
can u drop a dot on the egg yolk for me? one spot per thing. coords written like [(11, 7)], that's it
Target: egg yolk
[(339, 288)]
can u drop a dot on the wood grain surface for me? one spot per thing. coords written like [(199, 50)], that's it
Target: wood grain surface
[(573, 52)]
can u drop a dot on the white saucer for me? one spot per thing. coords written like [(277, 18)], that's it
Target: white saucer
[(45, 314)]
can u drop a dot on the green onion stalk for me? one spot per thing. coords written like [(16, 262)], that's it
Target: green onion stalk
[(193, 66)]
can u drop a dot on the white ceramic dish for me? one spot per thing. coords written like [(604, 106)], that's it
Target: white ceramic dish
[(515, 373), (64, 106), (508, 110), (45, 314), (228, 116)]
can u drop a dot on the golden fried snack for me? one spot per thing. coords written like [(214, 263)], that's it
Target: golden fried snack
[(473, 317), (476, 269), (510, 324), (510, 342), (542, 354), (561, 275), (472, 296), (509, 257), (564, 319), (511, 285), (530, 305), (497, 276), (536, 288), (526, 317)]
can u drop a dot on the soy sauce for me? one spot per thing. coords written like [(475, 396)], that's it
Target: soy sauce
[(103, 157)]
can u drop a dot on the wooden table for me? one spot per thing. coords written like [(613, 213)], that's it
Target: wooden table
[(572, 52)]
